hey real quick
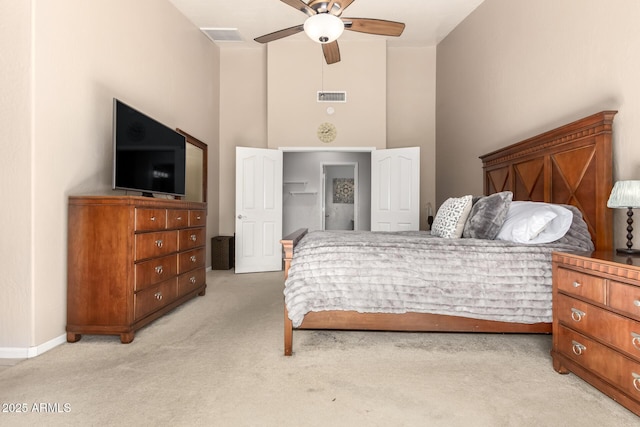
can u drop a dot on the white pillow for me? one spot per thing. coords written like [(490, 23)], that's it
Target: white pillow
[(451, 217), (535, 222)]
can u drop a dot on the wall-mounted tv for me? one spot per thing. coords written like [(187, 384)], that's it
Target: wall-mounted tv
[(147, 156)]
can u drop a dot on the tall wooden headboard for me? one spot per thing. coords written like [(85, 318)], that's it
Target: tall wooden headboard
[(571, 164)]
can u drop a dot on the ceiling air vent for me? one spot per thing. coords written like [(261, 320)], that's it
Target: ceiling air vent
[(223, 34), (339, 96)]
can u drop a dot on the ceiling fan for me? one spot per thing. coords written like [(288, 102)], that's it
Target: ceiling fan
[(324, 25)]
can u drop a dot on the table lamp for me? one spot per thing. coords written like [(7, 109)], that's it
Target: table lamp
[(626, 194)]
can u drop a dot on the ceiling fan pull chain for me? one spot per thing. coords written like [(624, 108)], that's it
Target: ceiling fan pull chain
[(322, 76)]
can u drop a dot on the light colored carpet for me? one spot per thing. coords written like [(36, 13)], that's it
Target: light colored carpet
[(217, 361)]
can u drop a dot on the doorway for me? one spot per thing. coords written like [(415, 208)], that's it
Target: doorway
[(339, 196), (303, 192)]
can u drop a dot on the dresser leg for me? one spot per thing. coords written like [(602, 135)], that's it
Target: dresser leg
[(73, 337), (202, 293), (127, 337), (559, 368)]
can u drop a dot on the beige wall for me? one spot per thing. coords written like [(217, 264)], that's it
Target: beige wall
[(84, 54), (411, 112), (515, 68), (243, 119), (15, 174), (297, 71)]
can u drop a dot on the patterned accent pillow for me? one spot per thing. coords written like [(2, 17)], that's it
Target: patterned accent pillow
[(487, 216), (451, 217)]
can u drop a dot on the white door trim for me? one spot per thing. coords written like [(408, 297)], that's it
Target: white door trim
[(325, 148)]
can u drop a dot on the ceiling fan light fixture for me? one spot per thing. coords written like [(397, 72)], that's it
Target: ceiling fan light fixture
[(323, 28)]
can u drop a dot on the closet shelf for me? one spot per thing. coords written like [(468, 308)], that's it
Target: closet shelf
[(298, 193)]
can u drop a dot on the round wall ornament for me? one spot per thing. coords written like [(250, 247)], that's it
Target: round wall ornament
[(327, 132)]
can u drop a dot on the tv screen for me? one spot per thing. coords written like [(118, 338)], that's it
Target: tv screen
[(148, 156)]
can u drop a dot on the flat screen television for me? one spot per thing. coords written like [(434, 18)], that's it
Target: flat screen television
[(147, 156)]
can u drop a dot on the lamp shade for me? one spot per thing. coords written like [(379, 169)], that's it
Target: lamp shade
[(625, 194), (323, 27)]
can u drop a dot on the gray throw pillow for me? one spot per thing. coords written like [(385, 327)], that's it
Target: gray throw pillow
[(487, 216)]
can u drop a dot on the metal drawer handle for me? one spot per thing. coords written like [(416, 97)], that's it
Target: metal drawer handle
[(193, 258), (636, 302), (198, 217), (576, 284), (636, 340), (577, 315), (158, 295), (192, 279), (193, 237), (179, 218), (153, 218), (578, 348), (636, 381), (159, 269), (159, 243)]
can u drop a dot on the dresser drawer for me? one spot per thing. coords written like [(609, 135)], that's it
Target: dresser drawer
[(177, 218), (625, 298), (155, 297), (617, 331), (152, 245), (581, 285), (618, 370), (191, 238), (190, 260), (191, 280), (155, 270), (197, 218), (150, 219)]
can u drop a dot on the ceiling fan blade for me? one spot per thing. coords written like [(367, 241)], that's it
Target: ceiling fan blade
[(374, 26), (279, 34), (331, 52), (301, 6), (343, 5)]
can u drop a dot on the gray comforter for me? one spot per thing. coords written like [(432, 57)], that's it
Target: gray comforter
[(398, 272)]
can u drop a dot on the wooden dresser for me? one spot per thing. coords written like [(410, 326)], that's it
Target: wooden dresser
[(596, 322), (131, 260)]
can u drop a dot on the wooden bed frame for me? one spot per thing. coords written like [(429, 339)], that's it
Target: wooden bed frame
[(571, 164)]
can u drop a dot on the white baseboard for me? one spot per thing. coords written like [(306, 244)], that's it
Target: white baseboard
[(28, 352)]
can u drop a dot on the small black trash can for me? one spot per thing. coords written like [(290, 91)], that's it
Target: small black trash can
[(222, 252)]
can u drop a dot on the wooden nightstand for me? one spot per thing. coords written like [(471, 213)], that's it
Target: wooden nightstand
[(596, 322)]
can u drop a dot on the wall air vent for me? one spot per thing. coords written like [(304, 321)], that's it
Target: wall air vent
[(336, 96), (222, 34)]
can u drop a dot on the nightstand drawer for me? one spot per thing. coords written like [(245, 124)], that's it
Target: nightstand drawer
[(581, 285), (625, 298), (620, 371), (617, 331)]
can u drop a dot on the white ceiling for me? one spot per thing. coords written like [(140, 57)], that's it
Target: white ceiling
[(427, 21)]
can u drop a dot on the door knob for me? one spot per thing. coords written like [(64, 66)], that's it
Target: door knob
[(240, 217)]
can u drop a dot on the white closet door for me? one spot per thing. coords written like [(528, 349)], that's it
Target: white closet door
[(258, 210), (395, 189)]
